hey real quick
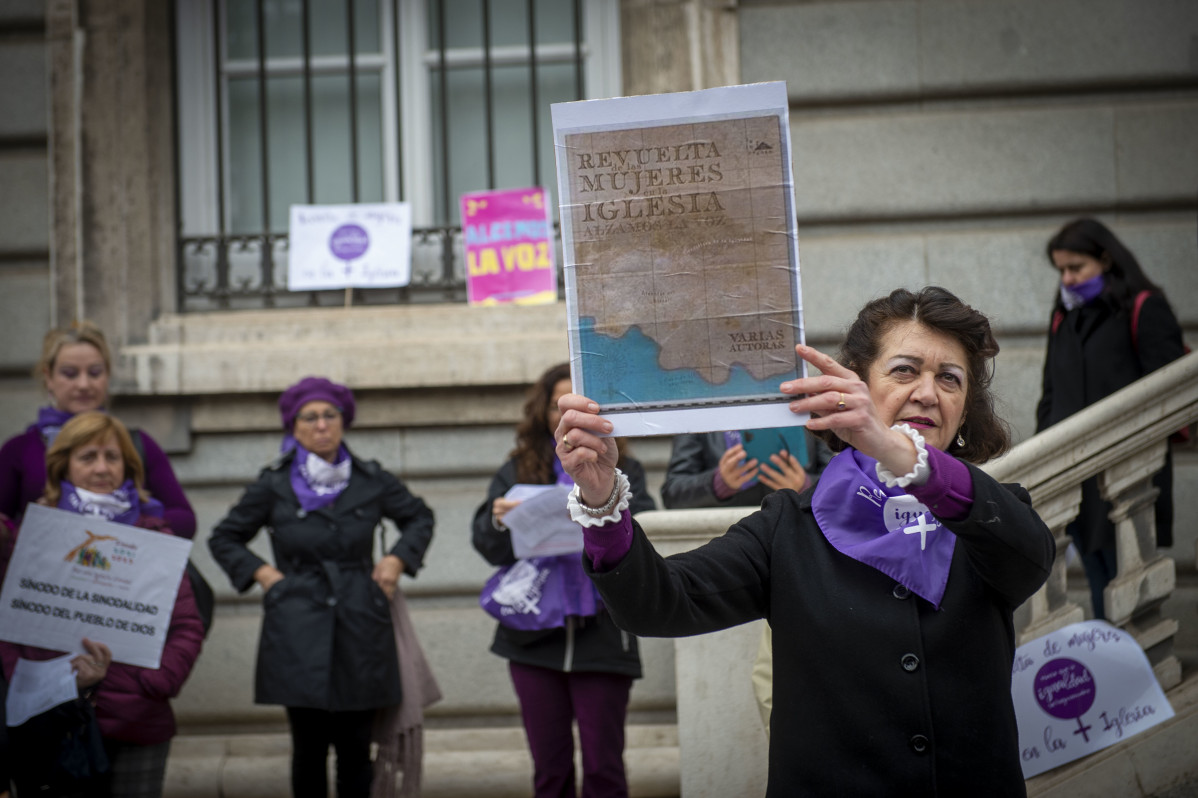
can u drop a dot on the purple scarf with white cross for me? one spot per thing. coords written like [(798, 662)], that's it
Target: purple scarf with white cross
[(885, 528)]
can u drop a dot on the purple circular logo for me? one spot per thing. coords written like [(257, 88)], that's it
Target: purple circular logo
[(1065, 688), (349, 241)]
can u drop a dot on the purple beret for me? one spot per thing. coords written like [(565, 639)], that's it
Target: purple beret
[(315, 389)]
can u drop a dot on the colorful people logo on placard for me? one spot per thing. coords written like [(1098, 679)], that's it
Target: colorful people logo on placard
[(86, 554)]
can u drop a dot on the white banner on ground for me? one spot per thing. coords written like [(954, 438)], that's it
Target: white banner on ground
[(74, 576), (1080, 689)]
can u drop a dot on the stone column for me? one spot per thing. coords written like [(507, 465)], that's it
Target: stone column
[(722, 746), (679, 45), (111, 164), (1050, 608), (1145, 579)]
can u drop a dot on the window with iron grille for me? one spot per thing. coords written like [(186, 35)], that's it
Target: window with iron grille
[(285, 102)]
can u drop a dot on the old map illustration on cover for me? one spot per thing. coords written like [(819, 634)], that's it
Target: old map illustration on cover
[(682, 277)]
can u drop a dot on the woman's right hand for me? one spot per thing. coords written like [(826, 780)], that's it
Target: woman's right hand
[(840, 401), (500, 508), (267, 576), (734, 469), (91, 668), (588, 458)]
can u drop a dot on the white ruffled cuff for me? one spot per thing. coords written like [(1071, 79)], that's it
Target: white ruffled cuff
[(919, 473), (620, 499)]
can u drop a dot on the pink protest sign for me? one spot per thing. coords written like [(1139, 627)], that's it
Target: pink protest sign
[(509, 247)]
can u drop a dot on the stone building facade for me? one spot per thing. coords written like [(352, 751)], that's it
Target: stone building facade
[(935, 142)]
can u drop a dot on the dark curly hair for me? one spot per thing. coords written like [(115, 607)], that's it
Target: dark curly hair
[(534, 440), (986, 435)]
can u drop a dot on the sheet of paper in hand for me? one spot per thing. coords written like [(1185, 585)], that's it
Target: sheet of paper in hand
[(541, 524), (39, 686), (1080, 689), (73, 576), (681, 257)]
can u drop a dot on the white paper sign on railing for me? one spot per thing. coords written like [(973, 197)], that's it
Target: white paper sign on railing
[(73, 576), (1080, 689), (350, 246)]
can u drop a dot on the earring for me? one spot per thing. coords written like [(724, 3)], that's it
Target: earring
[(960, 440)]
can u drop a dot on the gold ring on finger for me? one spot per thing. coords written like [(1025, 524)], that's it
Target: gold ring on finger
[(841, 405)]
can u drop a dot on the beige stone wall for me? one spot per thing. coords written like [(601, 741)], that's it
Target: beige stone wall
[(24, 204)]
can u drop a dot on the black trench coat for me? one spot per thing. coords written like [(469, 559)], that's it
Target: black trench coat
[(326, 639)]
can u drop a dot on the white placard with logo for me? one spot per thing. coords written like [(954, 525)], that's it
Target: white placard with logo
[(75, 576), (350, 246), (1080, 689)]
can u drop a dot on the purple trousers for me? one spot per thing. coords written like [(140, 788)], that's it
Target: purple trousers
[(549, 702)]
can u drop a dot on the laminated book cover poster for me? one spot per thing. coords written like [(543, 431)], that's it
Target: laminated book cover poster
[(681, 258)]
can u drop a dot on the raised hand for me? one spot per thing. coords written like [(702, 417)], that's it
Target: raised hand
[(587, 456), (840, 401)]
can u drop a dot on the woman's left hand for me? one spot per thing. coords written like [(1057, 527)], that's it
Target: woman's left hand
[(786, 472), (386, 574), (840, 401)]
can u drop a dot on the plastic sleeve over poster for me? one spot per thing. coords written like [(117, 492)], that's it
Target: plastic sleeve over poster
[(681, 262)]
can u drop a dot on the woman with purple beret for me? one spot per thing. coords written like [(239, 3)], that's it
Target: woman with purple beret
[(327, 651)]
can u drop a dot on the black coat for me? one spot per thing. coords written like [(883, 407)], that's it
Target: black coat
[(585, 644), (1091, 356), (326, 641), (875, 691), (694, 459)]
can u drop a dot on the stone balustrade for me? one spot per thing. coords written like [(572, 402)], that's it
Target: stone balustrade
[(1122, 440)]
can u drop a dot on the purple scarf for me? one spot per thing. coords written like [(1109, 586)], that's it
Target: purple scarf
[(581, 597), (314, 496), (884, 528), (122, 506), (541, 592), (50, 421), (1083, 293)]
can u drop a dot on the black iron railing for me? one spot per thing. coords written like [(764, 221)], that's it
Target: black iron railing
[(228, 268), (226, 273)]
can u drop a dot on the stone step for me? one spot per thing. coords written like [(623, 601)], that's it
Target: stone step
[(458, 763)]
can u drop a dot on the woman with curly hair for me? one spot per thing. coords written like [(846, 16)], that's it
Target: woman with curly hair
[(581, 668)]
